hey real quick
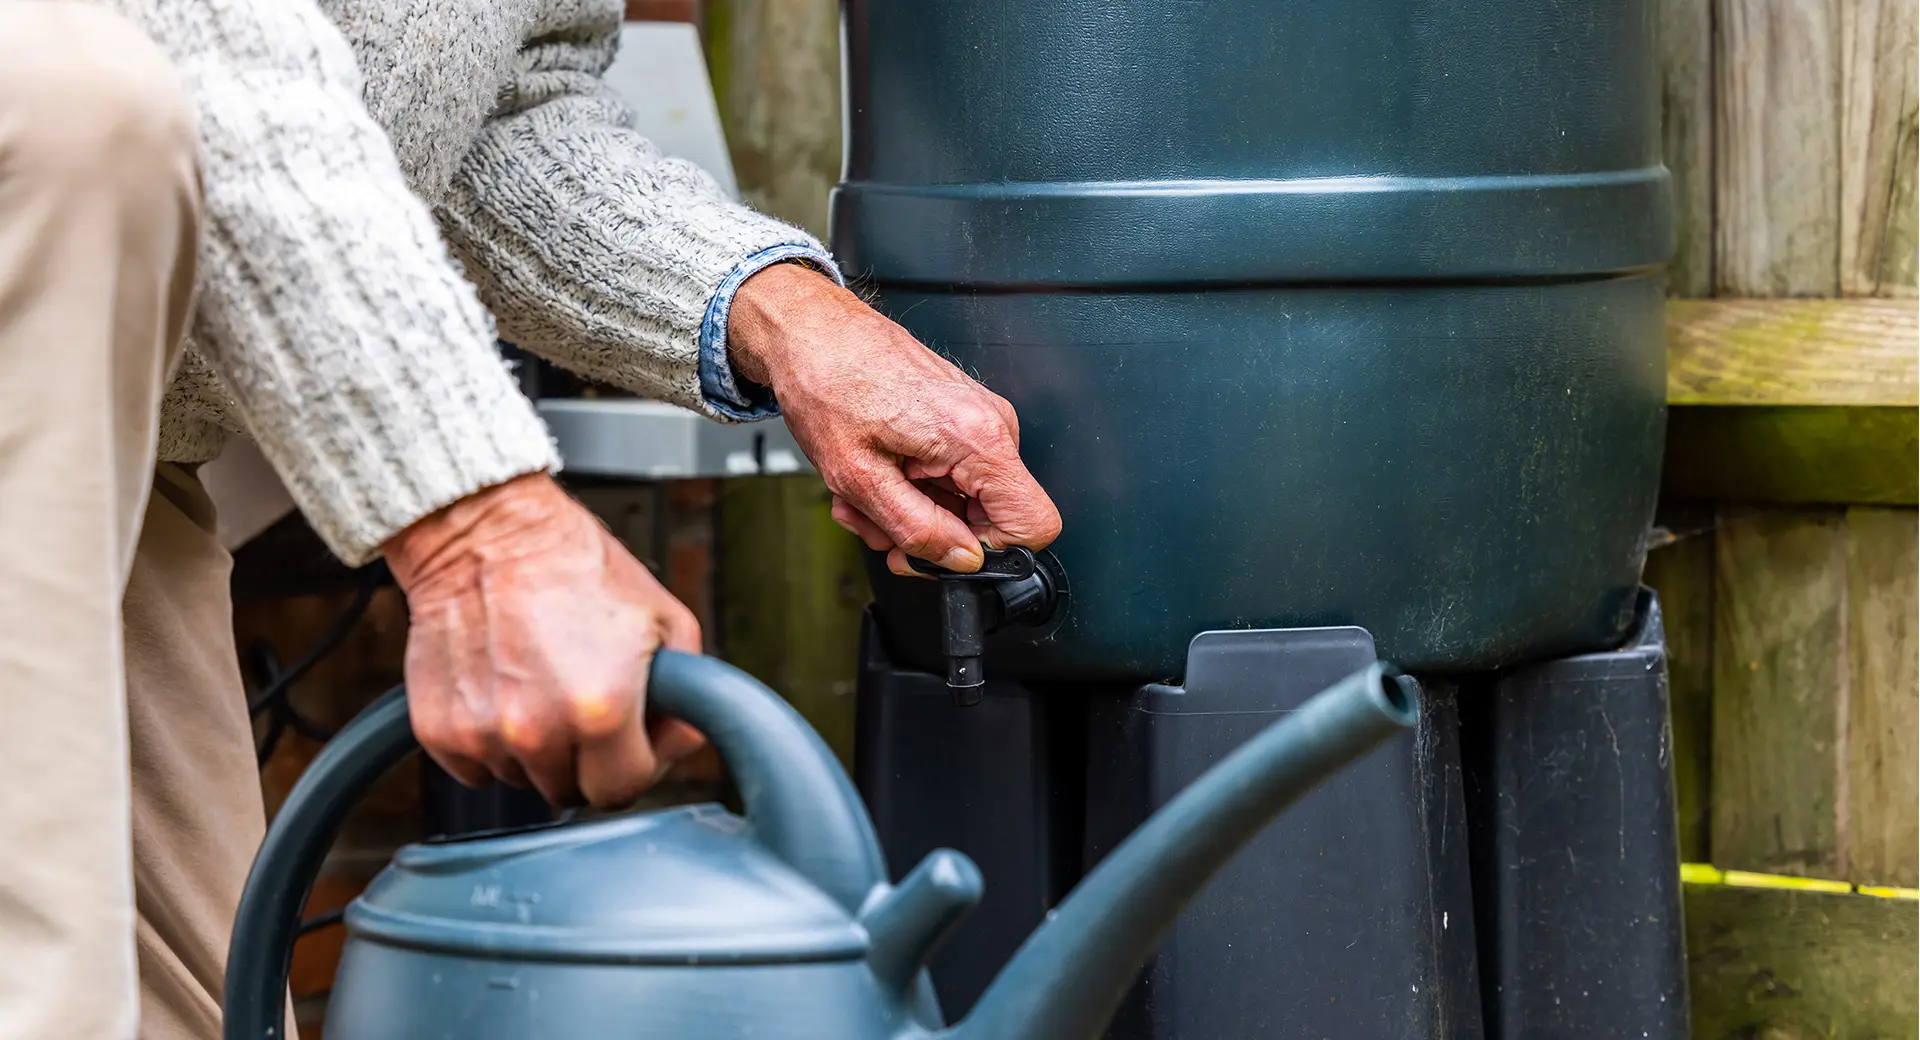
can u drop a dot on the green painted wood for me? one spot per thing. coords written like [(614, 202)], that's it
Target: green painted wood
[(1767, 964), (775, 66), (791, 590), (791, 587)]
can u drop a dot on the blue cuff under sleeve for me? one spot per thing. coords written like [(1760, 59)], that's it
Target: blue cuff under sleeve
[(728, 395)]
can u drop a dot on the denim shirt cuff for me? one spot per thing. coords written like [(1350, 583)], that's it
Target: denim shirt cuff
[(727, 394)]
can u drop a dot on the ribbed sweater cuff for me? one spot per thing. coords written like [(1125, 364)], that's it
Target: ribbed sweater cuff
[(396, 474), (598, 254)]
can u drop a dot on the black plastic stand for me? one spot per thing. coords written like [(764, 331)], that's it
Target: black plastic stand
[(1000, 780), (1351, 916), (1576, 856), (1508, 870)]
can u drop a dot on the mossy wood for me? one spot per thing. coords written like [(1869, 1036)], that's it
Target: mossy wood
[(1767, 964), (1779, 664), (1793, 401), (1791, 634)]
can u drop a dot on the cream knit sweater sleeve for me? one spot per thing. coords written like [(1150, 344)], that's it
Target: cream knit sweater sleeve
[(589, 246), (359, 358)]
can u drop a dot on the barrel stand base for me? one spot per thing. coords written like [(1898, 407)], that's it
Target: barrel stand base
[(1575, 846), (1511, 857)]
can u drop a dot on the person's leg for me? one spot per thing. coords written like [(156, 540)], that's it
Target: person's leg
[(99, 214), (197, 813)]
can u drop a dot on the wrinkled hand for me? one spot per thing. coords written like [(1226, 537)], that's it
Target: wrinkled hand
[(921, 459), (532, 634)]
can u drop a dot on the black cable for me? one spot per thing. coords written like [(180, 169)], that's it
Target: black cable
[(276, 728), (326, 644), (275, 683), (326, 920)]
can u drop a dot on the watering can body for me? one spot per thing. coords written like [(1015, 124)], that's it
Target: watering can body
[(667, 924), (696, 924)]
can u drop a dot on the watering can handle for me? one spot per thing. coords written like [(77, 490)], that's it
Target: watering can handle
[(800, 802)]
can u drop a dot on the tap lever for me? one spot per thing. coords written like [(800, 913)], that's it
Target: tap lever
[(1012, 564)]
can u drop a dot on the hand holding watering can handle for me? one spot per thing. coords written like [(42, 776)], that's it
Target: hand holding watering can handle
[(802, 806)]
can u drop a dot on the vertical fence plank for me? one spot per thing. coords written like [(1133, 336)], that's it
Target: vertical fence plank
[(1881, 821), (776, 72), (1877, 152), (1686, 103), (791, 587), (1779, 657), (1776, 147)]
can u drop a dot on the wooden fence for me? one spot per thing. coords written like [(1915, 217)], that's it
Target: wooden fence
[(1789, 579)]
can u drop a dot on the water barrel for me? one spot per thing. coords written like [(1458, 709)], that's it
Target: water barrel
[(1313, 313)]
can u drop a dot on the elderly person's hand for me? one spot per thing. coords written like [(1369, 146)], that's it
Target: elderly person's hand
[(531, 639), (533, 630), (921, 459)]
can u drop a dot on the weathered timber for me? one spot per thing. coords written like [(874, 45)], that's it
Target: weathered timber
[(1779, 662), (1686, 107), (1681, 572), (1777, 147), (1766, 964), (1793, 401), (1878, 155), (1880, 821)]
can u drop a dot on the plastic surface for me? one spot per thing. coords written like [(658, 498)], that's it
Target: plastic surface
[(1353, 920), (691, 923), (1314, 315), (1002, 780), (1575, 846), (650, 440), (1508, 871), (695, 887), (1070, 976), (1356, 921), (1011, 587), (268, 919)]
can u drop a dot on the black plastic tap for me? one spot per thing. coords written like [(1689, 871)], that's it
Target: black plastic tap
[(1010, 588)]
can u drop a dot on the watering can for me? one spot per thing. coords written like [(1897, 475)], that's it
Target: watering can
[(692, 923)]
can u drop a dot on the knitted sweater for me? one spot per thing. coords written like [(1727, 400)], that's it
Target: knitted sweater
[(353, 151)]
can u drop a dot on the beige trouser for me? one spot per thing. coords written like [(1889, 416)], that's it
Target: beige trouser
[(129, 803)]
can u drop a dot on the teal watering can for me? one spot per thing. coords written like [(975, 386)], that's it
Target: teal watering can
[(696, 924)]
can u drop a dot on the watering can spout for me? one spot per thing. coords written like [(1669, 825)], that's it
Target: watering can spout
[(905, 925), (1071, 974)]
